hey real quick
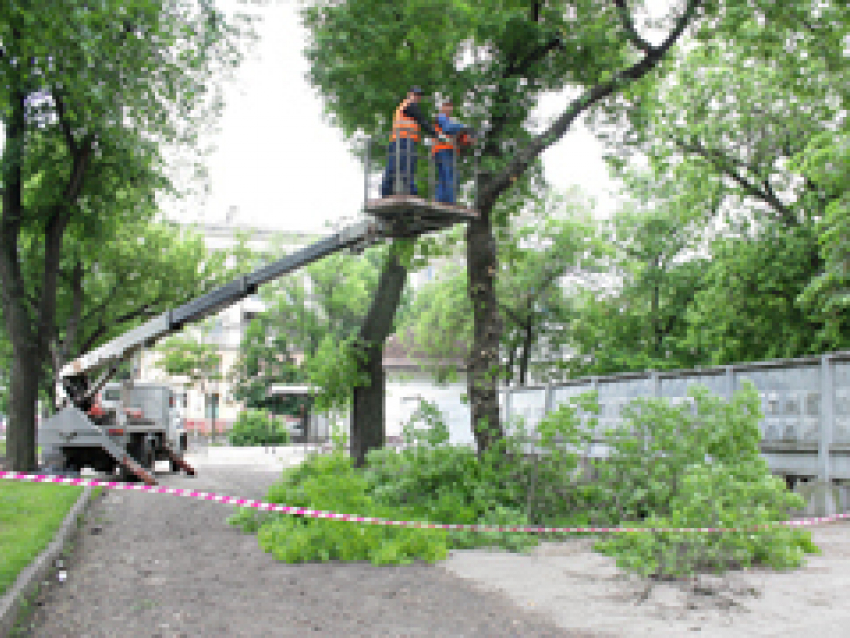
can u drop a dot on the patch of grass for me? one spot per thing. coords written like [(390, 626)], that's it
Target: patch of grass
[(30, 515)]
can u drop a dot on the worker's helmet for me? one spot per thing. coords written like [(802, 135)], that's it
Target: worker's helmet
[(416, 90)]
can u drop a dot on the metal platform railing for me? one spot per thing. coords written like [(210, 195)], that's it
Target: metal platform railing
[(407, 168), (413, 190)]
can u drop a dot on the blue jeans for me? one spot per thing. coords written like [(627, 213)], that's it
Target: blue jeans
[(445, 177), (407, 172)]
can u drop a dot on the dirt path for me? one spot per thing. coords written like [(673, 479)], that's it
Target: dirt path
[(584, 590), (158, 565)]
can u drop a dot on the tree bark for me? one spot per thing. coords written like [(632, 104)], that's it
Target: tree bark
[(368, 426), (25, 368), (483, 362), (30, 322)]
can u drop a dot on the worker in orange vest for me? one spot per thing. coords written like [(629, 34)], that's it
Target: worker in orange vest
[(453, 135), (407, 122)]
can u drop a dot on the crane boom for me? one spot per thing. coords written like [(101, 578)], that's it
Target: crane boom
[(171, 321)]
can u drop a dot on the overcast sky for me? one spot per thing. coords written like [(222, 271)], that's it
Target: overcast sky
[(284, 167)]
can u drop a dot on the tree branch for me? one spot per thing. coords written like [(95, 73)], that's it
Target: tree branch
[(65, 125), (523, 159), (629, 25), (723, 165)]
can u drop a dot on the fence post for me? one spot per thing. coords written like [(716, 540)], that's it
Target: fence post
[(549, 399), (827, 393), (730, 382), (594, 387), (656, 384)]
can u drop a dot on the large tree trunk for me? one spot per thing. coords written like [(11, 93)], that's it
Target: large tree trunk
[(23, 395), (368, 427), (30, 320), (26, 365), (483, 364)]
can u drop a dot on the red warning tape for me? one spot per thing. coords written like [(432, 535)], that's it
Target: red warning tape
[(301, 511)]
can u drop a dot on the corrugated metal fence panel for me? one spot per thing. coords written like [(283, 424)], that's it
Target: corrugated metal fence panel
[(791, 399), (841, 431)]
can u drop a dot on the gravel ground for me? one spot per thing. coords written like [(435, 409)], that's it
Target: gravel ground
[(158, 565)]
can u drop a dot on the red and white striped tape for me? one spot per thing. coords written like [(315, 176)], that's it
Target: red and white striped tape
[(311, 513)]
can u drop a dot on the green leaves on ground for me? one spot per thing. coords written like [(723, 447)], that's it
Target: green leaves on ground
[(331, 483), (678, 466), (669, 466)]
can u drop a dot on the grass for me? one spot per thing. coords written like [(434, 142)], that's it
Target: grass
[(30, 515)]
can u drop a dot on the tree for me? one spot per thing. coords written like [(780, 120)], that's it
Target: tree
[(191, 357), (61, 65), (494, 59)]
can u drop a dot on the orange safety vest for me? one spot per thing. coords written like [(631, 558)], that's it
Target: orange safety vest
[(404, 127), (441, 145)]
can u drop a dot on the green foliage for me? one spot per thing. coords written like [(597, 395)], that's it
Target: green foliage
[(331, 483), (255, 427), (336, 368), (555, 239), (745, 145), (319, 316), (265, 359), (750, 304), (189, 356), (450, 484), (716, 495), (670, 466)]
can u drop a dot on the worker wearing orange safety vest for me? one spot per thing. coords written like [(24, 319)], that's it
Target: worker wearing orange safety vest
[(445, 150), (407, 123)]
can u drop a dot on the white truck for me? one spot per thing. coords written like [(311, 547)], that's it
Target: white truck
[(137, 419)]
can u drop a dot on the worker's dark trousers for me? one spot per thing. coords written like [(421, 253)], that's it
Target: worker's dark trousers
[(406, 152), (445, 177)]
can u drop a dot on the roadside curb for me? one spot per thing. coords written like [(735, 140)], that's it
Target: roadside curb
[(39, 569)]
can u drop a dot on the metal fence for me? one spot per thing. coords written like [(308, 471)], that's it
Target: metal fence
[(805, 402)]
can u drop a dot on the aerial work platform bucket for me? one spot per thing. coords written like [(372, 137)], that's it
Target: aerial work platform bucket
[(405, 208)]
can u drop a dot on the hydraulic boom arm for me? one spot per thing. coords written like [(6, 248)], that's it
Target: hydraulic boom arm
[(74, 377)]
